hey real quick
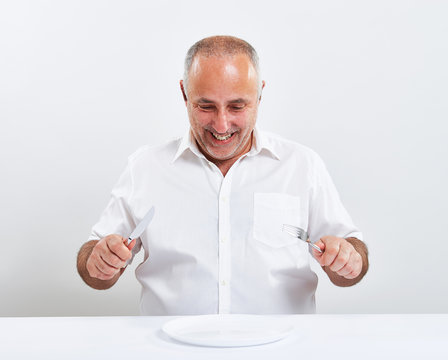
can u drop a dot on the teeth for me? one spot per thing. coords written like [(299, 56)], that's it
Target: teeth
[(222, 138)]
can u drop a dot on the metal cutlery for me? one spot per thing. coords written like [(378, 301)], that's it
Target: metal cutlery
[(142, 225), (300, 234)]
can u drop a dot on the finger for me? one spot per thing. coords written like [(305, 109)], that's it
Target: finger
[(346, 270), (105, 253), (341, 259), (100, 275), (352, 275), (330, 253), (102, 266), (117, 245), (353, 267), (318, 255), (132, 244), (112, 260), (96, 270), (110, 257)]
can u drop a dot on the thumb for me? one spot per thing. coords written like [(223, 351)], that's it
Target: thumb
[(131, 245), (318, 255), (320, 244)]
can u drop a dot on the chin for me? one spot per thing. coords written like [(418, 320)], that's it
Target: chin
[(220, 157)]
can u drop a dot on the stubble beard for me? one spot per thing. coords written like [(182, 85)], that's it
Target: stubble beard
[(209, 153)]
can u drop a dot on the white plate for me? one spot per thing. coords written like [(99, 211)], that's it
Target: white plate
[(229, 330)]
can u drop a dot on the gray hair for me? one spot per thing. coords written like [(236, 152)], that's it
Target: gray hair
[(221, 46)]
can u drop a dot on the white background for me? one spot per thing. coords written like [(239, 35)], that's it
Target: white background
[(83, 84)]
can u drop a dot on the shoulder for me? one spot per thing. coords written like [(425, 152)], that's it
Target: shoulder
[(286, 148), (298, 156), (154, 154)]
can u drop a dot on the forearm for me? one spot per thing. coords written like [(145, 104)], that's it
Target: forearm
[(338, 280), (95, 283)]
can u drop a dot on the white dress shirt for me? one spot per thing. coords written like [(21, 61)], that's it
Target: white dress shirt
[(215, 244)]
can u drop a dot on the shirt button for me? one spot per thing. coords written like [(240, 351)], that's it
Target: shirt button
[(223, 240), (224, 199), (223, 283)]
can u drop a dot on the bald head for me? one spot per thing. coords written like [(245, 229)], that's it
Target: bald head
[(221, 46)]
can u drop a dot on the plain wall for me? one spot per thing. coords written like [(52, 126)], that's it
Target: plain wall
[(83, 84)]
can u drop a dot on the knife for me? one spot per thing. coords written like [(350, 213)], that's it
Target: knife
[(142, 225)]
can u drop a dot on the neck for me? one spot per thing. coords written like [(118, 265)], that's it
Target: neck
[(225, 165)]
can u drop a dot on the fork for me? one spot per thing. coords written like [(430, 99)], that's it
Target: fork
[(300, 234)]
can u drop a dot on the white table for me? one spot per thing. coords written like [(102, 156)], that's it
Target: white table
[(315, 337)]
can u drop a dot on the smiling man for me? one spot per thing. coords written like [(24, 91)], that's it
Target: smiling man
[(222, 194), (222, 99)]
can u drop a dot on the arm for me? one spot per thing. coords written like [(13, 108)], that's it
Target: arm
[(344, 260), (100, 263)]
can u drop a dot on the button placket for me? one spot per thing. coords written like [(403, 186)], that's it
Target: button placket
[(224, 246)]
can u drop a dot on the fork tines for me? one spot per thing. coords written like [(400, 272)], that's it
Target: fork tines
[(295, 231)]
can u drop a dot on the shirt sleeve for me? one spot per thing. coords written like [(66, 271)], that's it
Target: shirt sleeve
[(327, 215), (117, 217)]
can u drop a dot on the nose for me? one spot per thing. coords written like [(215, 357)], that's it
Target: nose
[(221, 123)]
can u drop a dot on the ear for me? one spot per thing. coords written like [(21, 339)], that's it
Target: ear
[(262, 87), (181, 83)]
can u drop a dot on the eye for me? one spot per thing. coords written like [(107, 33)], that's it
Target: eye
[(237, 107), (206, 107)]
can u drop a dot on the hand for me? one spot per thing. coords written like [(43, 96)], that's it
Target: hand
[(339, 256), (109, 257)]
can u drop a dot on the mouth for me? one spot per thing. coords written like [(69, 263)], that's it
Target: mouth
[(222, 137)]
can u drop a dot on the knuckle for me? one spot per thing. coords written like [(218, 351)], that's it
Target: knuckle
[(328, 260), (332, 251), (117, 262), (102, 267), (344, 259), (91, 261), (334, 268), (325, 261), (112, 237), (115, 246), (348, 268), (103, 276), (114, 262), (99, 276), (91, 270), (109, 276), (109, 270), (112, 240)]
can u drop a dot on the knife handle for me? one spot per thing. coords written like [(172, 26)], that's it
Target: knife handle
[(129, 240)]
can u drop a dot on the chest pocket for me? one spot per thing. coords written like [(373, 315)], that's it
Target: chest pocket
[(271, 211)]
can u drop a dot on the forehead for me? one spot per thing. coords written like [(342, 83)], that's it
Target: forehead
[(224, 75)]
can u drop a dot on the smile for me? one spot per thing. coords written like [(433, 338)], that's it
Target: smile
[(222, 138)]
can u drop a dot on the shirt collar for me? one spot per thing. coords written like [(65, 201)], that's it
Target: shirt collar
[(187, 142), (261, 142)]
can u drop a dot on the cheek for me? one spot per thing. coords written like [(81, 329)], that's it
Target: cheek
[(198, 118), (245, 119)]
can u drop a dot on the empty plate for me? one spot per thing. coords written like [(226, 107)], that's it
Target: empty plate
[(228, 330)]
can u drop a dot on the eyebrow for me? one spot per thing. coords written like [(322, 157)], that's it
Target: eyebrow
[(204, 100), (235, 101)]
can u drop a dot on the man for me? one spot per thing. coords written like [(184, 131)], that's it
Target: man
[(222, 194)]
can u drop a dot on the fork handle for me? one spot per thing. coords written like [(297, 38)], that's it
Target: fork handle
[(315, 247)]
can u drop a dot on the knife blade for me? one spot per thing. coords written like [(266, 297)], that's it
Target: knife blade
[(142, 225)]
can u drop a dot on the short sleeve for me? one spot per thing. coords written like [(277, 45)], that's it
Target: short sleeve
[(117, 217), (327, 215)]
